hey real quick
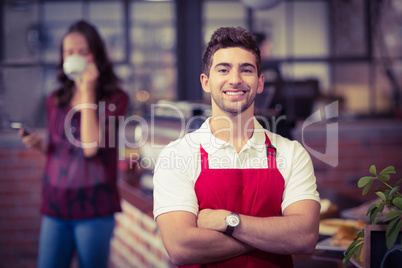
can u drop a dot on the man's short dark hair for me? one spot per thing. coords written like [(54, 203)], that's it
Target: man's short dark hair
[(225, 37)]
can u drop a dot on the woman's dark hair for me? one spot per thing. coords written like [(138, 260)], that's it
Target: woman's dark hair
[(225, 37), (107, 81)]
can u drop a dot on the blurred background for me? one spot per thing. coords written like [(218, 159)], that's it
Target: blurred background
[(337, 63), (352, 48)]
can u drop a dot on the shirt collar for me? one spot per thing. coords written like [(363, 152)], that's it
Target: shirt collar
[(212, 144), (208, 141), (257, 141)]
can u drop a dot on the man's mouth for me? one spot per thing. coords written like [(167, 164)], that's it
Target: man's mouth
[(235, 93)]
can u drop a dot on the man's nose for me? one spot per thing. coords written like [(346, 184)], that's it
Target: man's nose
[(235, 78)]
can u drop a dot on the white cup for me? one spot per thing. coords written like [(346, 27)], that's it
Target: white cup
[(74, 66)]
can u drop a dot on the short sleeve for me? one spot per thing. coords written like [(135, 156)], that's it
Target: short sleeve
[(117, 105), (173, 186), (301, 183)]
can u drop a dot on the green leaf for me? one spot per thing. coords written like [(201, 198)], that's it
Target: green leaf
[(393, 214), (375, 214), (358, 239), (384, 177), (364, 180), (381, 195), (371, 208), (347, 257), (397, 202), (392, 232), (358, 251), (373, 170), (367, 187), (381, 207), (394, 190), (388, 170), (360, 234), (352, 250)]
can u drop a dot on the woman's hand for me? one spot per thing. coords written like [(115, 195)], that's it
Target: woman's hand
[(86, 94), (32, 141), (87, 83)]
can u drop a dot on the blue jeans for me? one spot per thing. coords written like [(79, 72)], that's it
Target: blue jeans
[(60, 238)]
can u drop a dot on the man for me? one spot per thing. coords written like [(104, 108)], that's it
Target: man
[(232, 194)]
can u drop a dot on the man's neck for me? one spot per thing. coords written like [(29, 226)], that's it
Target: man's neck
[(234, 129)]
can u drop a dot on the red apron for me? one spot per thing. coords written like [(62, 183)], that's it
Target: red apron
[(254, 192)]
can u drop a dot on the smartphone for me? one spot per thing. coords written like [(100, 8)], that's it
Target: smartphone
[(16, 125)]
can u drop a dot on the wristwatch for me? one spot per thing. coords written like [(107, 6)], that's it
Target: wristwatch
[(232, 221)]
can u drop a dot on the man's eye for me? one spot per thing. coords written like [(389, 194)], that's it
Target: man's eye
[(222, 71), (247, 71)]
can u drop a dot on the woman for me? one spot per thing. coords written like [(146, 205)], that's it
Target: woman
[(79, 192)]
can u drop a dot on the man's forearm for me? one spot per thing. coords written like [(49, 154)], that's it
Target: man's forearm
[(189, 245), (294, 233), (281, 235), (210, 246)]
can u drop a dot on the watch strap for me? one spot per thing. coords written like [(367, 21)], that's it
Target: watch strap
[(229, 230)]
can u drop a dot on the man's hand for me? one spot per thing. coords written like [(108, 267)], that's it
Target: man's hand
[(213, 219)]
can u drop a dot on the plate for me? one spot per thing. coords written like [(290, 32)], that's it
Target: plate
[(355, 263), (326, 244), (331, 226)]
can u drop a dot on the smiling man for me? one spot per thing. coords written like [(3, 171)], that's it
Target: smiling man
[(233, 205)]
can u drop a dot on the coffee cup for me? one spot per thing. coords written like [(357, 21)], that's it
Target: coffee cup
[(74, 66)]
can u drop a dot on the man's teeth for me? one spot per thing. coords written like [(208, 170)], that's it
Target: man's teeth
[(234, 93)]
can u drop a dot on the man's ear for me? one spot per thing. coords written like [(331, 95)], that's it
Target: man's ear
[(205, 83), (261, 81)]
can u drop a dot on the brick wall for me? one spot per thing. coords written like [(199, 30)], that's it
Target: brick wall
[(136, 242), (361, 144), (20, 173)]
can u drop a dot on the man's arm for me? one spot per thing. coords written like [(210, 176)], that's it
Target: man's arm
[(296, 232), (187, 244)]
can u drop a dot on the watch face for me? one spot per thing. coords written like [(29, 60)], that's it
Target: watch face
[(233, 220)]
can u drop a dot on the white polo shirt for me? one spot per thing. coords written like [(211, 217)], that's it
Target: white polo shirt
[(179, 166)]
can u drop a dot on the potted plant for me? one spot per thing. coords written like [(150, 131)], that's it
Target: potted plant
[(390, 197)]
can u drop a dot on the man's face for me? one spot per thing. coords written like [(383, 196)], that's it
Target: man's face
[(233, 80)]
